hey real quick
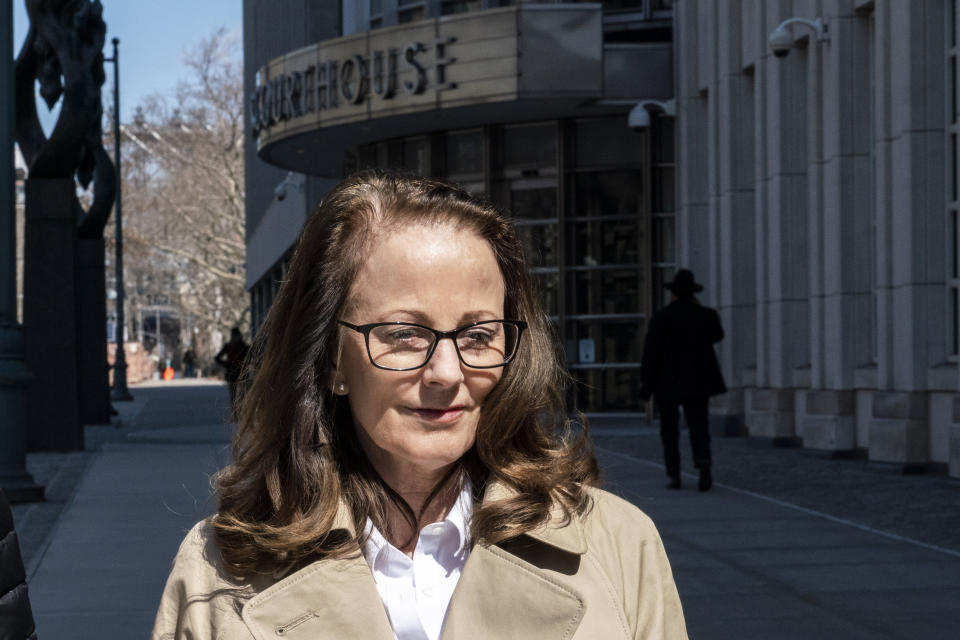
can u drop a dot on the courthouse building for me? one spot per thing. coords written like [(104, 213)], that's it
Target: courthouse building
[(817, 198), (529, 104), (814, 193)]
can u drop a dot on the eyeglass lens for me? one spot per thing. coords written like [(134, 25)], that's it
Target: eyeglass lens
[(402, 346)]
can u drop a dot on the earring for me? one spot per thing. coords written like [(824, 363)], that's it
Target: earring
[(341, 389)]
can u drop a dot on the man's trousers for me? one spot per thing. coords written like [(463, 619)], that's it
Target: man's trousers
[(698, 422)]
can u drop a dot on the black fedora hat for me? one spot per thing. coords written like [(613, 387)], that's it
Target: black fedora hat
[(683, 284)]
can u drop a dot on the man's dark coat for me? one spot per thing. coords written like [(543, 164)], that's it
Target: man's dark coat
[(678, 357)]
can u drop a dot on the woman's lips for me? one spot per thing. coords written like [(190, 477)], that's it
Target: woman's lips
[(448, 414)]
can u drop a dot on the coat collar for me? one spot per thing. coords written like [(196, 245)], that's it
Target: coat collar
[(557, 531), (503, 592)]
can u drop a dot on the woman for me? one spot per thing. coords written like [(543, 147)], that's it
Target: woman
[(397, 472)]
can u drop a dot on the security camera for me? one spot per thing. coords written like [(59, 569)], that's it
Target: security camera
[(288, 182), (639, 117), (781, 40), (780, 43)]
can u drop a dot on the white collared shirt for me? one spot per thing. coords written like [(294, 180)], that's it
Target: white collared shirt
[(417, 591)]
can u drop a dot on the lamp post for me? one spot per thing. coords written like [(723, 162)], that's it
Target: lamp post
[(119, 391)]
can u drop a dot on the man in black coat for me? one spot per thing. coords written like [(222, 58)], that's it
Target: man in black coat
[(680, 368)]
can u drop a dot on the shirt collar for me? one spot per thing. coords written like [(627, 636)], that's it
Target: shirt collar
[(558, 531), (461, 513), (459, 517)]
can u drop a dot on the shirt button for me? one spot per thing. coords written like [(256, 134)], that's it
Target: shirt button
[(427, 591)]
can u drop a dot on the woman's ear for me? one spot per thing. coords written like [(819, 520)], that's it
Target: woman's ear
[(338, 385)]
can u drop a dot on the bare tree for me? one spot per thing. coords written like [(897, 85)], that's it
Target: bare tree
[(184, 198)]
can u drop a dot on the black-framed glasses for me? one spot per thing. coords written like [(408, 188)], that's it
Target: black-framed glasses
[(403, 346)]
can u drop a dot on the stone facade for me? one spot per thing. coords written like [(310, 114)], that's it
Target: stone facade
[(813, 204)]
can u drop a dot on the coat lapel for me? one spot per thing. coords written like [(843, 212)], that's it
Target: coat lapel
[(516, 590), (327, 599), (501, 596), (330, 598)]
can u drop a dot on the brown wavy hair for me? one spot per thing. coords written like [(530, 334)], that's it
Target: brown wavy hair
[(296, 454)]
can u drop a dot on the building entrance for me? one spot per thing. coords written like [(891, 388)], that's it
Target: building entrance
[(582, 198)]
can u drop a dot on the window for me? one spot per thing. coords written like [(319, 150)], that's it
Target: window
[(662, 206), (530, 146), (624, 20), (416, 155), (376, 14), (465, 153), (450, 7), (410, 10), (580, 194)]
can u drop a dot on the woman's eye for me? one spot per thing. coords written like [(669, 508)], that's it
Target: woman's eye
[(476, 339), (404, 336)]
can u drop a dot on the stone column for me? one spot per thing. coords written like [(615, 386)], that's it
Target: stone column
[(692, 185), (781, 231), (15, 481), (735, 199), (706, 201), (94, 388), (841, 246), (953, 464), (911, 248), (49, 315)]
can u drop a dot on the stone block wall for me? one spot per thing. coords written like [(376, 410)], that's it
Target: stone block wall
[(812, 203)]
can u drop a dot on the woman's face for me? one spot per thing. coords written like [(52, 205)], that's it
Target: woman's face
[(416, 423)]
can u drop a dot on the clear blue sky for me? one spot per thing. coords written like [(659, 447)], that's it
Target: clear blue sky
[(154, 36)]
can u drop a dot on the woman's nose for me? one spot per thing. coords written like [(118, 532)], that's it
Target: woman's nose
[(444, 365)]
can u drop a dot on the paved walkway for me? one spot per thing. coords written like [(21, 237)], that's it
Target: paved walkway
[(748, 566), (101, 569), (787, 544)]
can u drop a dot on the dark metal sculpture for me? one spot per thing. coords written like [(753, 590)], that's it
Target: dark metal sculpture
[(63, 51)]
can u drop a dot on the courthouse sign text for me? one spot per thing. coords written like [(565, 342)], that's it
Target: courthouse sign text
[(334, 82)]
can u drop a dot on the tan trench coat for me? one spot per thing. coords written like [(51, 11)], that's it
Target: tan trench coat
[(602, 576)]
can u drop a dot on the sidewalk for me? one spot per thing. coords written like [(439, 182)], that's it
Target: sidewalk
[(752, 566), (787, 544), (100, 571)]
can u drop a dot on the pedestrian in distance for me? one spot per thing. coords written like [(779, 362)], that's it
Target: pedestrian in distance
[(232, 356), (680, 369), (189, 363), (404, 466)]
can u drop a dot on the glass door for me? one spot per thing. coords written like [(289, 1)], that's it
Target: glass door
[(533, 203), (607, 266)]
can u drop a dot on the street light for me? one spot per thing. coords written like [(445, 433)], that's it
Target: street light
[(119, 391)]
